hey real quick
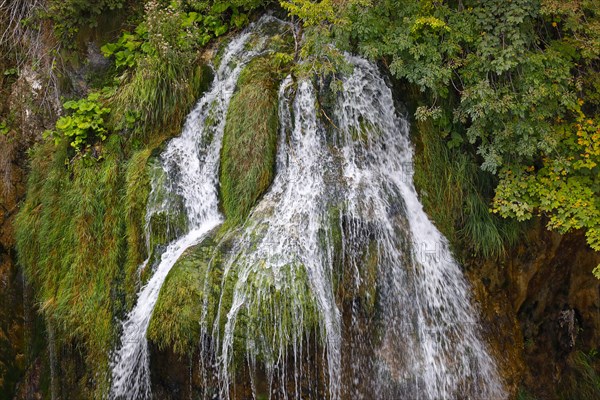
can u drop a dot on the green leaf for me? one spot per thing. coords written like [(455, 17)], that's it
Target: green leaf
[(221, 30), (64, 123), (220, 7), (109, 49)]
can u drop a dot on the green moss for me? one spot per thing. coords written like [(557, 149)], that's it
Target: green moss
[(250, 139), (271, 313), (196, 279), (365, 255), (176, 317)]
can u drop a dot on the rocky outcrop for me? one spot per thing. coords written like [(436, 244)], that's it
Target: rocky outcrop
[(542, 310)]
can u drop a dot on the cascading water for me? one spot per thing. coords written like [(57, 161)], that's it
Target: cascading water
[(281, 248), (350, 174), (337, 285), (190, 163), (430, 347)]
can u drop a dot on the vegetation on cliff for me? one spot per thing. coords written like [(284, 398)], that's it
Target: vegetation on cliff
[(249, 140), (506, 108), (525, 78)]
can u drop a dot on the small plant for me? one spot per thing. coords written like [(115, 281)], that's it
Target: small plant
[(4, 128), (11, 72), (84, 125), (128, 47)]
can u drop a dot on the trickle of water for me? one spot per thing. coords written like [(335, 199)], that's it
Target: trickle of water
[(191, 164)]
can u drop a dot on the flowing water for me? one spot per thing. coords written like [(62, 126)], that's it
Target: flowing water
[(350, 173), (190, 163), (337, 285)]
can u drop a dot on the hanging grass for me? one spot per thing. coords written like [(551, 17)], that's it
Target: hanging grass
[(159, 94), (452, 189), (80, 239), (250, 139)]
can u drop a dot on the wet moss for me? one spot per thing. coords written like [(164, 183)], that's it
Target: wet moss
[(275, 311), (250, 139), (357, 270), (176, 318)]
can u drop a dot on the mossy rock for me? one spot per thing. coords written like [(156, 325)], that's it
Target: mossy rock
[(200, 278), (175, 322), (250, 139)]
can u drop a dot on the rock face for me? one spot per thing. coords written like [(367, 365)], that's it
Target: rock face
[(558, 307), (542, 307), (22, 110)]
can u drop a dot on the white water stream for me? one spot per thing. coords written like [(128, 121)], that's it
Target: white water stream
[(191, 164), (426, 343)]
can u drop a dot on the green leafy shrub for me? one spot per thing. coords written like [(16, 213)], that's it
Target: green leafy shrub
[(162, 76), (4, 128), (183, 26), (128, 47), (84, 125)]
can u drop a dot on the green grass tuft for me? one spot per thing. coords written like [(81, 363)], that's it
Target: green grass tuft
[(583, 379), (159, 94), (453, 191)]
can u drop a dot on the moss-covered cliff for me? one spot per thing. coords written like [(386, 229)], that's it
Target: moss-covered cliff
[(80, 229)]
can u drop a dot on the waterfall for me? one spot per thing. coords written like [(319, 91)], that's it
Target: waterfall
[(430, 346), (337, 285), (190, 163), (349, 172)]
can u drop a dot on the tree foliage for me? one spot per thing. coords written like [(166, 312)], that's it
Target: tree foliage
[(526, 76)]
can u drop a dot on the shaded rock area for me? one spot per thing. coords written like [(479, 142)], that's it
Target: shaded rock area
[(22, 106), (542, 312)]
